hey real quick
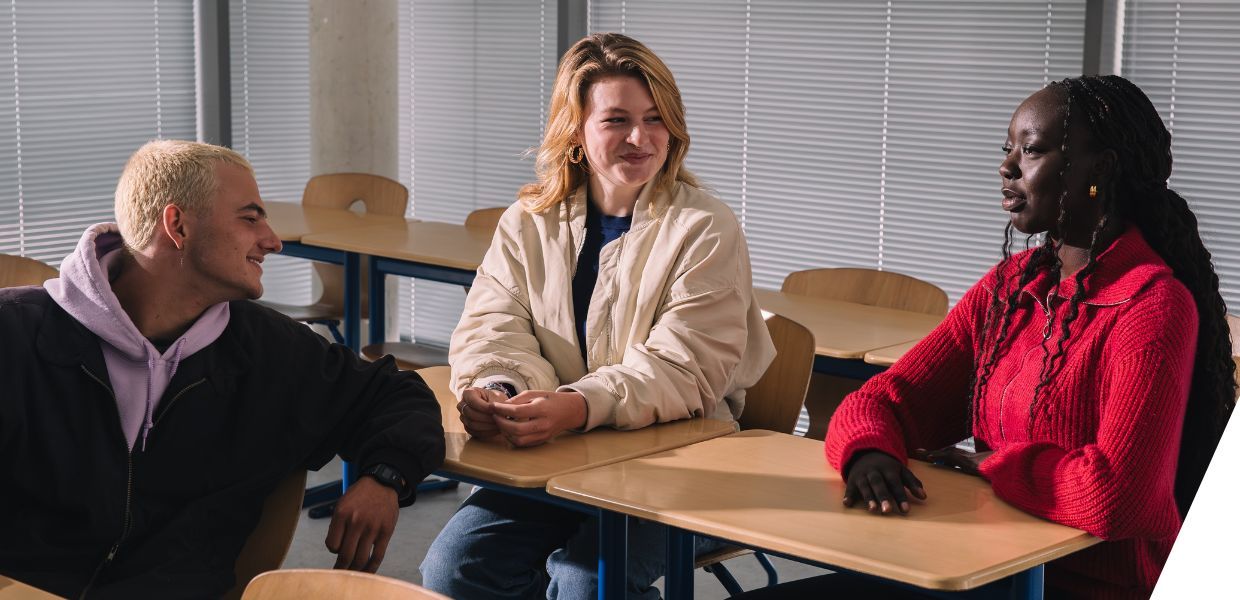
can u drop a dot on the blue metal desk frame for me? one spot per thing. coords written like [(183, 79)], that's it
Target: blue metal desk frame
[(679, 582), (380, 266)]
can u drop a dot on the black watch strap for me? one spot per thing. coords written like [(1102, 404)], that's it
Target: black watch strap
[(388, 476)]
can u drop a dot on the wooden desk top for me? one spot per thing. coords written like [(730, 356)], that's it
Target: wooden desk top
[(11, 589), (427, 242), (496, 462), (888, 356), (848, 329), (777, 492), (292, 221)]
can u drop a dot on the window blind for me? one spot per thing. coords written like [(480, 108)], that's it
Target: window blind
[(857, 133), (269, 43), (1186, 56), (82, 85), (474, 80)]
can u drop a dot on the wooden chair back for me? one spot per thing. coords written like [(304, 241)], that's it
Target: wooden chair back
[(16, 271), (325, 584), (869, 286), (380, 196), (486, 219), (774, 403), (268, 544)]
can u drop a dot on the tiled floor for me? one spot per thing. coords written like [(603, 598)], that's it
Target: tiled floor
[(419, 524)]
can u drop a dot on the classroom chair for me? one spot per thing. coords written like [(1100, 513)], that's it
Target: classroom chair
[(774, 403), (411, 356), (887, 289), (17, 271), (872, 287), (380, 196), (268, 544), (331, 584)]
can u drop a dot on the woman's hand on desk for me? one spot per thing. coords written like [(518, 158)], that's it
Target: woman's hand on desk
[(476, 413), (534, 417), (880, 480)]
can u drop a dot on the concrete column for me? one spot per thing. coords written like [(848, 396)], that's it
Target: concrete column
[(353, 96), (353, 87)]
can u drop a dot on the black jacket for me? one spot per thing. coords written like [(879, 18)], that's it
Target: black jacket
[(267, 397)]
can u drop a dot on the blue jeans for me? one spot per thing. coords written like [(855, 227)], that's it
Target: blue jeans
[(502, 546)]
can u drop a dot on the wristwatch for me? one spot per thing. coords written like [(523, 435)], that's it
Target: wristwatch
[(500, 386), (388, 476)]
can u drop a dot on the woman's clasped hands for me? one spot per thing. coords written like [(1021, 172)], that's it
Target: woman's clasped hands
[(530, 418)]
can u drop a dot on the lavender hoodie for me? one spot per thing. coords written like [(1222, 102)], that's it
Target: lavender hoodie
[(139, 373)]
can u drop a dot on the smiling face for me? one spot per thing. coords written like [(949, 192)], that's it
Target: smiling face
[(623, 134), (1035, 171), (232, 239)]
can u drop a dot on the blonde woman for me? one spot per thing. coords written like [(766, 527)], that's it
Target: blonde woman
[(616, 293)]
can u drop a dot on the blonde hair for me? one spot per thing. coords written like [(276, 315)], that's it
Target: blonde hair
[(164, 172), (592, 58)]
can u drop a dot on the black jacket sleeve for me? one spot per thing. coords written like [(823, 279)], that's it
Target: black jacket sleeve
[(367, 413)]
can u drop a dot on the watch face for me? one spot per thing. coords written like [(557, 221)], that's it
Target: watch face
[(387, 476)]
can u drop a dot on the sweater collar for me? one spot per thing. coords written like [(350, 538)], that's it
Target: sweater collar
[(1124, 268), (648, 208)]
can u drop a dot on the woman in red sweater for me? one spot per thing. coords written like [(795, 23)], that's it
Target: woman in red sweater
[(1093, 371)]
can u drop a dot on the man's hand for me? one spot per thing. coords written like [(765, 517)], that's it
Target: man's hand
[(534, 417), (880, 480), (476, 416), (362, 525)]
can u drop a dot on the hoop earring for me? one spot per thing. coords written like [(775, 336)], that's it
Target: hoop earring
[(1093, 192), (576, 154)]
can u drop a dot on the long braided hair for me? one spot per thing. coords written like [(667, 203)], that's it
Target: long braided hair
[(1120, 117)]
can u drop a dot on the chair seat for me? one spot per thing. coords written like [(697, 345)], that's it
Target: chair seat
[(310, 313), (409, 357), (727, 552)]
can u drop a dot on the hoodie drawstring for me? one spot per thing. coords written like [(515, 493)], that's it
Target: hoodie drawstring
[(148, 423)]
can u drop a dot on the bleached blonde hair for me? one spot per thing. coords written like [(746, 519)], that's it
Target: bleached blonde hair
[(592, 58), (164, 172)]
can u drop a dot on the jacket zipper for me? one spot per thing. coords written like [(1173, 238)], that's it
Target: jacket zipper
[(128, 480), (128, 499), (611, 304), (174, 399)]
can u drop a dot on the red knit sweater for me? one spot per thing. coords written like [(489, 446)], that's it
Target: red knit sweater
[(1106, 434)]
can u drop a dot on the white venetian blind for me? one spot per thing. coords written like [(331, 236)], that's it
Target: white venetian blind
[(474, 79), (857, 133), (1186, 57), (82, 85), (269, 41)]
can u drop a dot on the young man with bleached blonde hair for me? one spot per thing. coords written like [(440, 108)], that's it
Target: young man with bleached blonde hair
[(151, 407), (162, 170)]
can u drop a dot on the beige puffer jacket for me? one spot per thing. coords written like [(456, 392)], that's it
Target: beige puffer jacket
[(673, 326)]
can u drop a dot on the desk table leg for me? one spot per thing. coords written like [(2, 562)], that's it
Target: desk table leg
[(678, 583), (378, 298), (352, 301), (613, 553), (352, 333), (1028, 585)]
